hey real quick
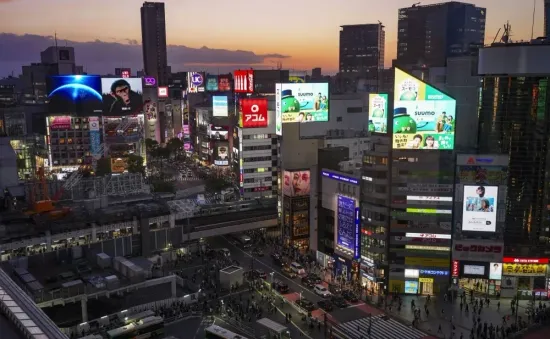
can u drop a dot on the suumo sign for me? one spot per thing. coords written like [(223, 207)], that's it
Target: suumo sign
[(477, 251)]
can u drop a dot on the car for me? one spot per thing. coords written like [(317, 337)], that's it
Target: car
[(277, 259), (280, 287), (307, 282), (325, 305), (321, 290), (261, 274), (315, 277), (339, 301), (305, 304), (334, 289), (297, 268), (350, 296), (224, 252), (287, 272), (257, 252)]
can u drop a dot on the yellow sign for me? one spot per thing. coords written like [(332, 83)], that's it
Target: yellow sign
[(427, 262), (426, 280), (538, 270)]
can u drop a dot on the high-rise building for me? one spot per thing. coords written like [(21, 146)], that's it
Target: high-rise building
[(361, 52), (546, 17), (153, 41), (428, 35), (514, 120)]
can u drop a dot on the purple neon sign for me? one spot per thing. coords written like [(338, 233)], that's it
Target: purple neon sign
[(150, 81)]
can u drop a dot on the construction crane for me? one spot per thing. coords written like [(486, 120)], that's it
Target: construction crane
[(46, 205)]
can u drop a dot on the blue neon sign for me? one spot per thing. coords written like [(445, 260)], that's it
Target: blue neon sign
[(340, 177), (434, 272)]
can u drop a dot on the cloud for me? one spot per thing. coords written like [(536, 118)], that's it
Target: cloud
[(6, 1), (103, 57)]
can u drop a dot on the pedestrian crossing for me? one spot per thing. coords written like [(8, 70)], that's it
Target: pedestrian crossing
[(180, 178), (380, 329)]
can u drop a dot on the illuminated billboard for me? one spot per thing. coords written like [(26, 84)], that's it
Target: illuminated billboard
[(218, 132), (212, 83), (278, 112), (195, 82), (149, 81), (347, 237), (162, 92), (221, 158), (224, 83), (302, 102), (480, 208), (296, 183), (253, 113), (219, 106), (244, 81), (80, 94), (119, 165), (59, 123), (423, 117), (297, 77), (122, 96), (378, 113)]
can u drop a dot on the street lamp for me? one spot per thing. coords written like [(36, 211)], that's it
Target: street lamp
[(271, 278)]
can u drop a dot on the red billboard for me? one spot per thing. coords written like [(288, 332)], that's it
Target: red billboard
[(512, 260), (224, 83), (254, 113), (244, 81)]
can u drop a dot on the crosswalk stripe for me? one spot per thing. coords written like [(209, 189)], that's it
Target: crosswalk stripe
[(381, 329)]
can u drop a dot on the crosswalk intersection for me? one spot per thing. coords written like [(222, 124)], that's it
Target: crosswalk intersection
[(380, 329)]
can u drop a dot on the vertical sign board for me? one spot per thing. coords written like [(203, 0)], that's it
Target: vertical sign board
[(278, 111), (346, 237), (95, 136), (357, 249)]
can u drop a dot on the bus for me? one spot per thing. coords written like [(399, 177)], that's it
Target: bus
[(132, 318), (273, 329), (150, 327), (218, 332)]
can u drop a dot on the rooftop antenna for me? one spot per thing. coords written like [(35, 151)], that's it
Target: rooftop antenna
[(56, 50), (533, 20), (507, 33)]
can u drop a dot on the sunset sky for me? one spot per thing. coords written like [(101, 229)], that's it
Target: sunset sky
[(306, 30)]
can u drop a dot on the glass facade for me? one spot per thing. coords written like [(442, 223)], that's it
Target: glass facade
[(514, 120)]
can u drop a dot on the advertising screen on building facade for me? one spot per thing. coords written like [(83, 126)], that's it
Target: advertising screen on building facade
[(423, 117), (219, 106), (302, 102), (480, 208), (218, 132), (221, 158), (122, 96), (244, 81), (348, 228), (378, 113), (296, 183), (59, 123), (224, 83), (195, 82), (297, 77), (253, 113), (80, 94), (212, 83)]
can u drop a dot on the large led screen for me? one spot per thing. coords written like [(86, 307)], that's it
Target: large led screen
[(218, 132), (219, 106), (253, 113), (221, 157), (80, 94), (296, 183), (423, 117), (122, 96), (302, 102), (480, 208), (212, 83), (378, 113), (347, 230), (195, 82)]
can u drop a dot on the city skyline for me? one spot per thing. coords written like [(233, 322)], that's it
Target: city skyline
[(232, 36)]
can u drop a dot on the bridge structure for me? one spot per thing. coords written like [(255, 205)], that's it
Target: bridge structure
[(184, 221)]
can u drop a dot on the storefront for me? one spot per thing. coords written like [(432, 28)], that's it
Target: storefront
[(346, 268), (425, 281), (524, 278), (481, 277)]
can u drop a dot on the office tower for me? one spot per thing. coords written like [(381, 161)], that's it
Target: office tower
[(361, 53), (514, 120), (546, 17), (153, 40), (428, 35)]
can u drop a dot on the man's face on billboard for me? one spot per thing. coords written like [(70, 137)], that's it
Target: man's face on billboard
[(123, 93)]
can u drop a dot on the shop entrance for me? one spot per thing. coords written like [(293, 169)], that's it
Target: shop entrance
[(426, 286), (489, 287)]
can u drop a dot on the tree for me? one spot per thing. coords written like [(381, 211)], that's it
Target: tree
[(103, 167), (174, 145), (150, 144), (135, 164)]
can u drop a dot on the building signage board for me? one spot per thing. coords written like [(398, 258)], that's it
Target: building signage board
[(340, 177), (476, 250), (482, 160), (532, 270), (513, 260)]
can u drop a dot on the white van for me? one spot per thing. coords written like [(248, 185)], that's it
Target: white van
[(297, 268)]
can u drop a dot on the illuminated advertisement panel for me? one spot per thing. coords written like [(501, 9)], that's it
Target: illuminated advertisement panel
[(122, 96), (162, 92), (218, 132), (303, 102), (244, 81), (212, 83), (224, 83), (253, 113), (59, 123), (348, 225), (95, 136), (149, 81), (424, 117), (296, 183), (428, 200), (221, 157), (297, 77), (480, 208), (378, 113), (278, 111), (119, 165), (219, 106), (80, 94), (195, 82)]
